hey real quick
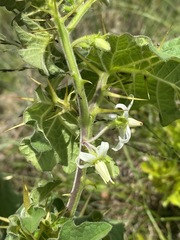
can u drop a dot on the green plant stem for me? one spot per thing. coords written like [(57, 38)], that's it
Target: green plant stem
[(165, 219), (76, 191), (84, 118), (80, 13), (156, 227), (71, 61)]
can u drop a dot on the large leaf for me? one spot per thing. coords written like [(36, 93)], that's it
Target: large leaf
[(84, 231), (53, 141), (35, 41), (34, 47), (146, 71)]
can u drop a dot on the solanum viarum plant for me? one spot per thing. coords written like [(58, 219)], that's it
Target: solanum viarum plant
[(90, 84)]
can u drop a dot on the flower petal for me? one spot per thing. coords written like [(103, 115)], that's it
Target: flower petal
[(102, 149), (87, 157), (102, 170), (127, 134), (86, 165), (124, 108), (123, 139), (121, 106), (119, 146)]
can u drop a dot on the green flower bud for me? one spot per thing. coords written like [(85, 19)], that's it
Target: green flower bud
[(67, 8), (102, 44)]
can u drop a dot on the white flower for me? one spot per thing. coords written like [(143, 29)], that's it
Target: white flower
[(125, 131), (97, 159)]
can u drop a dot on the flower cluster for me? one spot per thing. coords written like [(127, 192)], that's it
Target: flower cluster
[(97, 156), (123, 123)]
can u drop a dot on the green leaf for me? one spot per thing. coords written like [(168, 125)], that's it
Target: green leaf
[(40, 193), (35, 42), (10, 5), (84, 231), (54, 140), (44, 161), (30, 222), (94, 216), (58, 204), (38, 3), (13, 227), (9, 200), (173, 197), (149, 72), (34, 47), (12, 236), (113, 169), (171, 48), (117, 232), (39, 142), (13, 231)]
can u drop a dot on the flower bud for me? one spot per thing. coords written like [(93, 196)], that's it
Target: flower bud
[(102, 44), (134, 123)]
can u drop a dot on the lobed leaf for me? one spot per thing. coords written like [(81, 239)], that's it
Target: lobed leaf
[(35, 46), (144, 71), (30, 222), (53, 140)]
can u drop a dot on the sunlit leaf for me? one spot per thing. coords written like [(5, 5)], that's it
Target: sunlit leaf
[(35, 41), (152, 74), (34, 47), (171, 48), (31, 221)]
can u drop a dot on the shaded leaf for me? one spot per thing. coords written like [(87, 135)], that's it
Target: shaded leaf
[(44, 161), (39, 142), (54, 139), (40, 193), (84, 231), (117, 232), (9, 199)]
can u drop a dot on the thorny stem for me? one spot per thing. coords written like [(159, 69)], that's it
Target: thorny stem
[(84, 118)]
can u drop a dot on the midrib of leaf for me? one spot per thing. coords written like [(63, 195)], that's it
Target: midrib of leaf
[(43, 116), (147, 73), (161, 80)]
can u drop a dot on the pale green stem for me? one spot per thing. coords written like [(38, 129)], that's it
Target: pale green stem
[(84, 118), (156, 227), (88, 39), (99, 134), (80, 13), (71, 61), (97, 98)]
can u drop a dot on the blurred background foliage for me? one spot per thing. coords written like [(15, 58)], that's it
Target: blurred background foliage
[(146, 196)]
